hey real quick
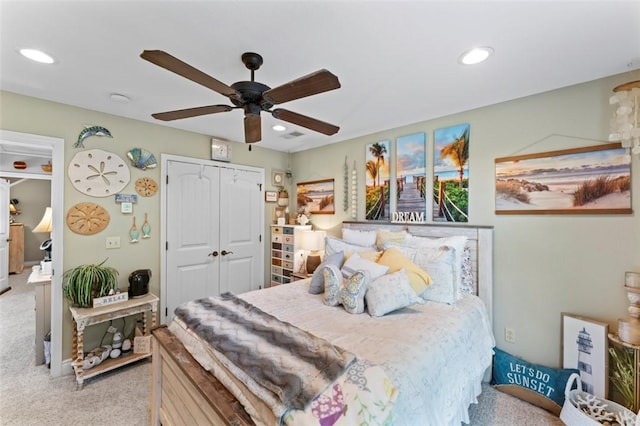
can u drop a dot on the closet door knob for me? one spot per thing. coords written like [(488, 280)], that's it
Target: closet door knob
[(224, 252), (213, 253)]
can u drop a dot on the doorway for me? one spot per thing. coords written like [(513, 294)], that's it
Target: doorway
[(56, 145)]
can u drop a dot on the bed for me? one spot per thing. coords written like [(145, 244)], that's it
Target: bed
[(428, 381)]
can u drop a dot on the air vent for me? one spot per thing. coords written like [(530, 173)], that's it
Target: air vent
[(292, 135)]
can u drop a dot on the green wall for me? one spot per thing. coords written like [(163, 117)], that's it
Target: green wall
[(543, 264), (30, 115)]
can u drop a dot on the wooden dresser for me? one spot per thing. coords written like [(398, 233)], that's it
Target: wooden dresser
[(16, 248), (285, 244)]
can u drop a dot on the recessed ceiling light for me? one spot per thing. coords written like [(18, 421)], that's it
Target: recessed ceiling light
[(279, 128), (37, 55), (475, 55), (117, 97)]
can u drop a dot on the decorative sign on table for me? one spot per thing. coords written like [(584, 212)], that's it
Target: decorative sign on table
[(111, 299)]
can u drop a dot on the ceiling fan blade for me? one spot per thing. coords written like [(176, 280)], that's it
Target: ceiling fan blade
[(310, 84), (252, 128), (173, 64), (191, 112), (304, 121)]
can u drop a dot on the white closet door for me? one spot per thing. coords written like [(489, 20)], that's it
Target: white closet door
[(192, 224), (241, 227)]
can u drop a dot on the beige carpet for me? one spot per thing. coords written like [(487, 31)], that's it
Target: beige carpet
[(29, 396)]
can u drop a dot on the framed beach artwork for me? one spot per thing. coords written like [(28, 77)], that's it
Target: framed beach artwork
[(377, 180), (316, 197), (411, 176), (451, 174), (588, 180), (585, 347)]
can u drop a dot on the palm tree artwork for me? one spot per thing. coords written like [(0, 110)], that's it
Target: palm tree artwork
[(451, 173), (458, 152), (377, 172)]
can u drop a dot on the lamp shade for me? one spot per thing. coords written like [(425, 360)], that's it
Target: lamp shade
[(45, 224), (313, 240), (12, 209)]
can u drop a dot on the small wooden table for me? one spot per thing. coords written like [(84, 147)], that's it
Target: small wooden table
[(84, 317)]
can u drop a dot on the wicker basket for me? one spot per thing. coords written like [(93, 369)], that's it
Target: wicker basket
[(576, 400)]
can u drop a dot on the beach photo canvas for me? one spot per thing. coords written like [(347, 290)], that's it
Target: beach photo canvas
[(316, 197), (588, 180), (411, 175), (377, 180), (451, 173)]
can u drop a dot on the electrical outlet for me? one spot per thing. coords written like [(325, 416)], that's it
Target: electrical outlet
[(509, 335), (113, 242)]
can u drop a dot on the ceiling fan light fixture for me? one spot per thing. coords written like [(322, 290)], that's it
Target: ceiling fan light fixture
[(37, 56), (279, 128), (475, 55)]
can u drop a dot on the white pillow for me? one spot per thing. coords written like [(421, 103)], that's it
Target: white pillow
[(440, 264), (457, 243), (361, 238), (355, 263), (389, 293), (334, 245)]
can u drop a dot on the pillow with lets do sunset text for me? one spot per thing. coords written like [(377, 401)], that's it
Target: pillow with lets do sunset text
[(536, 384)]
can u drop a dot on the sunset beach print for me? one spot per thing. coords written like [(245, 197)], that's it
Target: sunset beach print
[(575, 181)]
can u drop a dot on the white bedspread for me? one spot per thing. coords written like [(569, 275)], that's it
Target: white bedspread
[(435, 354)]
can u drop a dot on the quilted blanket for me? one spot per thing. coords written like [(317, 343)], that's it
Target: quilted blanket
[(283, 363)]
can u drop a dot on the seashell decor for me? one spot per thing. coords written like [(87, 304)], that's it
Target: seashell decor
[(142, 159)]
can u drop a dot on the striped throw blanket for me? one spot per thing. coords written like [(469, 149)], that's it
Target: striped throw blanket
[(286, 363)]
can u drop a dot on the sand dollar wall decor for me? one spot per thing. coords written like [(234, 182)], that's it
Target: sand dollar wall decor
[(87, 218), (146, 187), (98, 173)]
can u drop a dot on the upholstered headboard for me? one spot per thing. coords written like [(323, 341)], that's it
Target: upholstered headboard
[(479, 241)]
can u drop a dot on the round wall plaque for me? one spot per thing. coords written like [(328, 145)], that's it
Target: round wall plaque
[(98, 173), (146, 187), (87, 218)]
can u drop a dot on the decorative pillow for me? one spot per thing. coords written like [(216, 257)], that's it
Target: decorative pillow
[(369, 255), (536, 384), (356, 263), (395, 260), (384, 236), (440, 264), (316, 285), (457, 243), (332, 284), (389, 293), (467, 285), (361, 238), (408, 252), (350, 295), (333, 245)]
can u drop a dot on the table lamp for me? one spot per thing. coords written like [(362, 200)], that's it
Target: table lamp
[(313, 242), (45, 226)]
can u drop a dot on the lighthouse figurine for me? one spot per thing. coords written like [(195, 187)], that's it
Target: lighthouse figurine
[(585, 345)]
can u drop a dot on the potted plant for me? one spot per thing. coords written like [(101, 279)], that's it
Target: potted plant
[(85, 282)]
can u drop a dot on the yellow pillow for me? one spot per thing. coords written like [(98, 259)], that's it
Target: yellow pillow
[(369, 255), (395, 260), (384, 236)]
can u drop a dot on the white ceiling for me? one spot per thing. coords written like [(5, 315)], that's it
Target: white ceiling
[(396, 60)]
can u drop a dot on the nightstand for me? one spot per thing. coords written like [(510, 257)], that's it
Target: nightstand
[(299, 276)]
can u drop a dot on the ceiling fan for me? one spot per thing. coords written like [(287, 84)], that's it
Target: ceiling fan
[(253, 97)]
